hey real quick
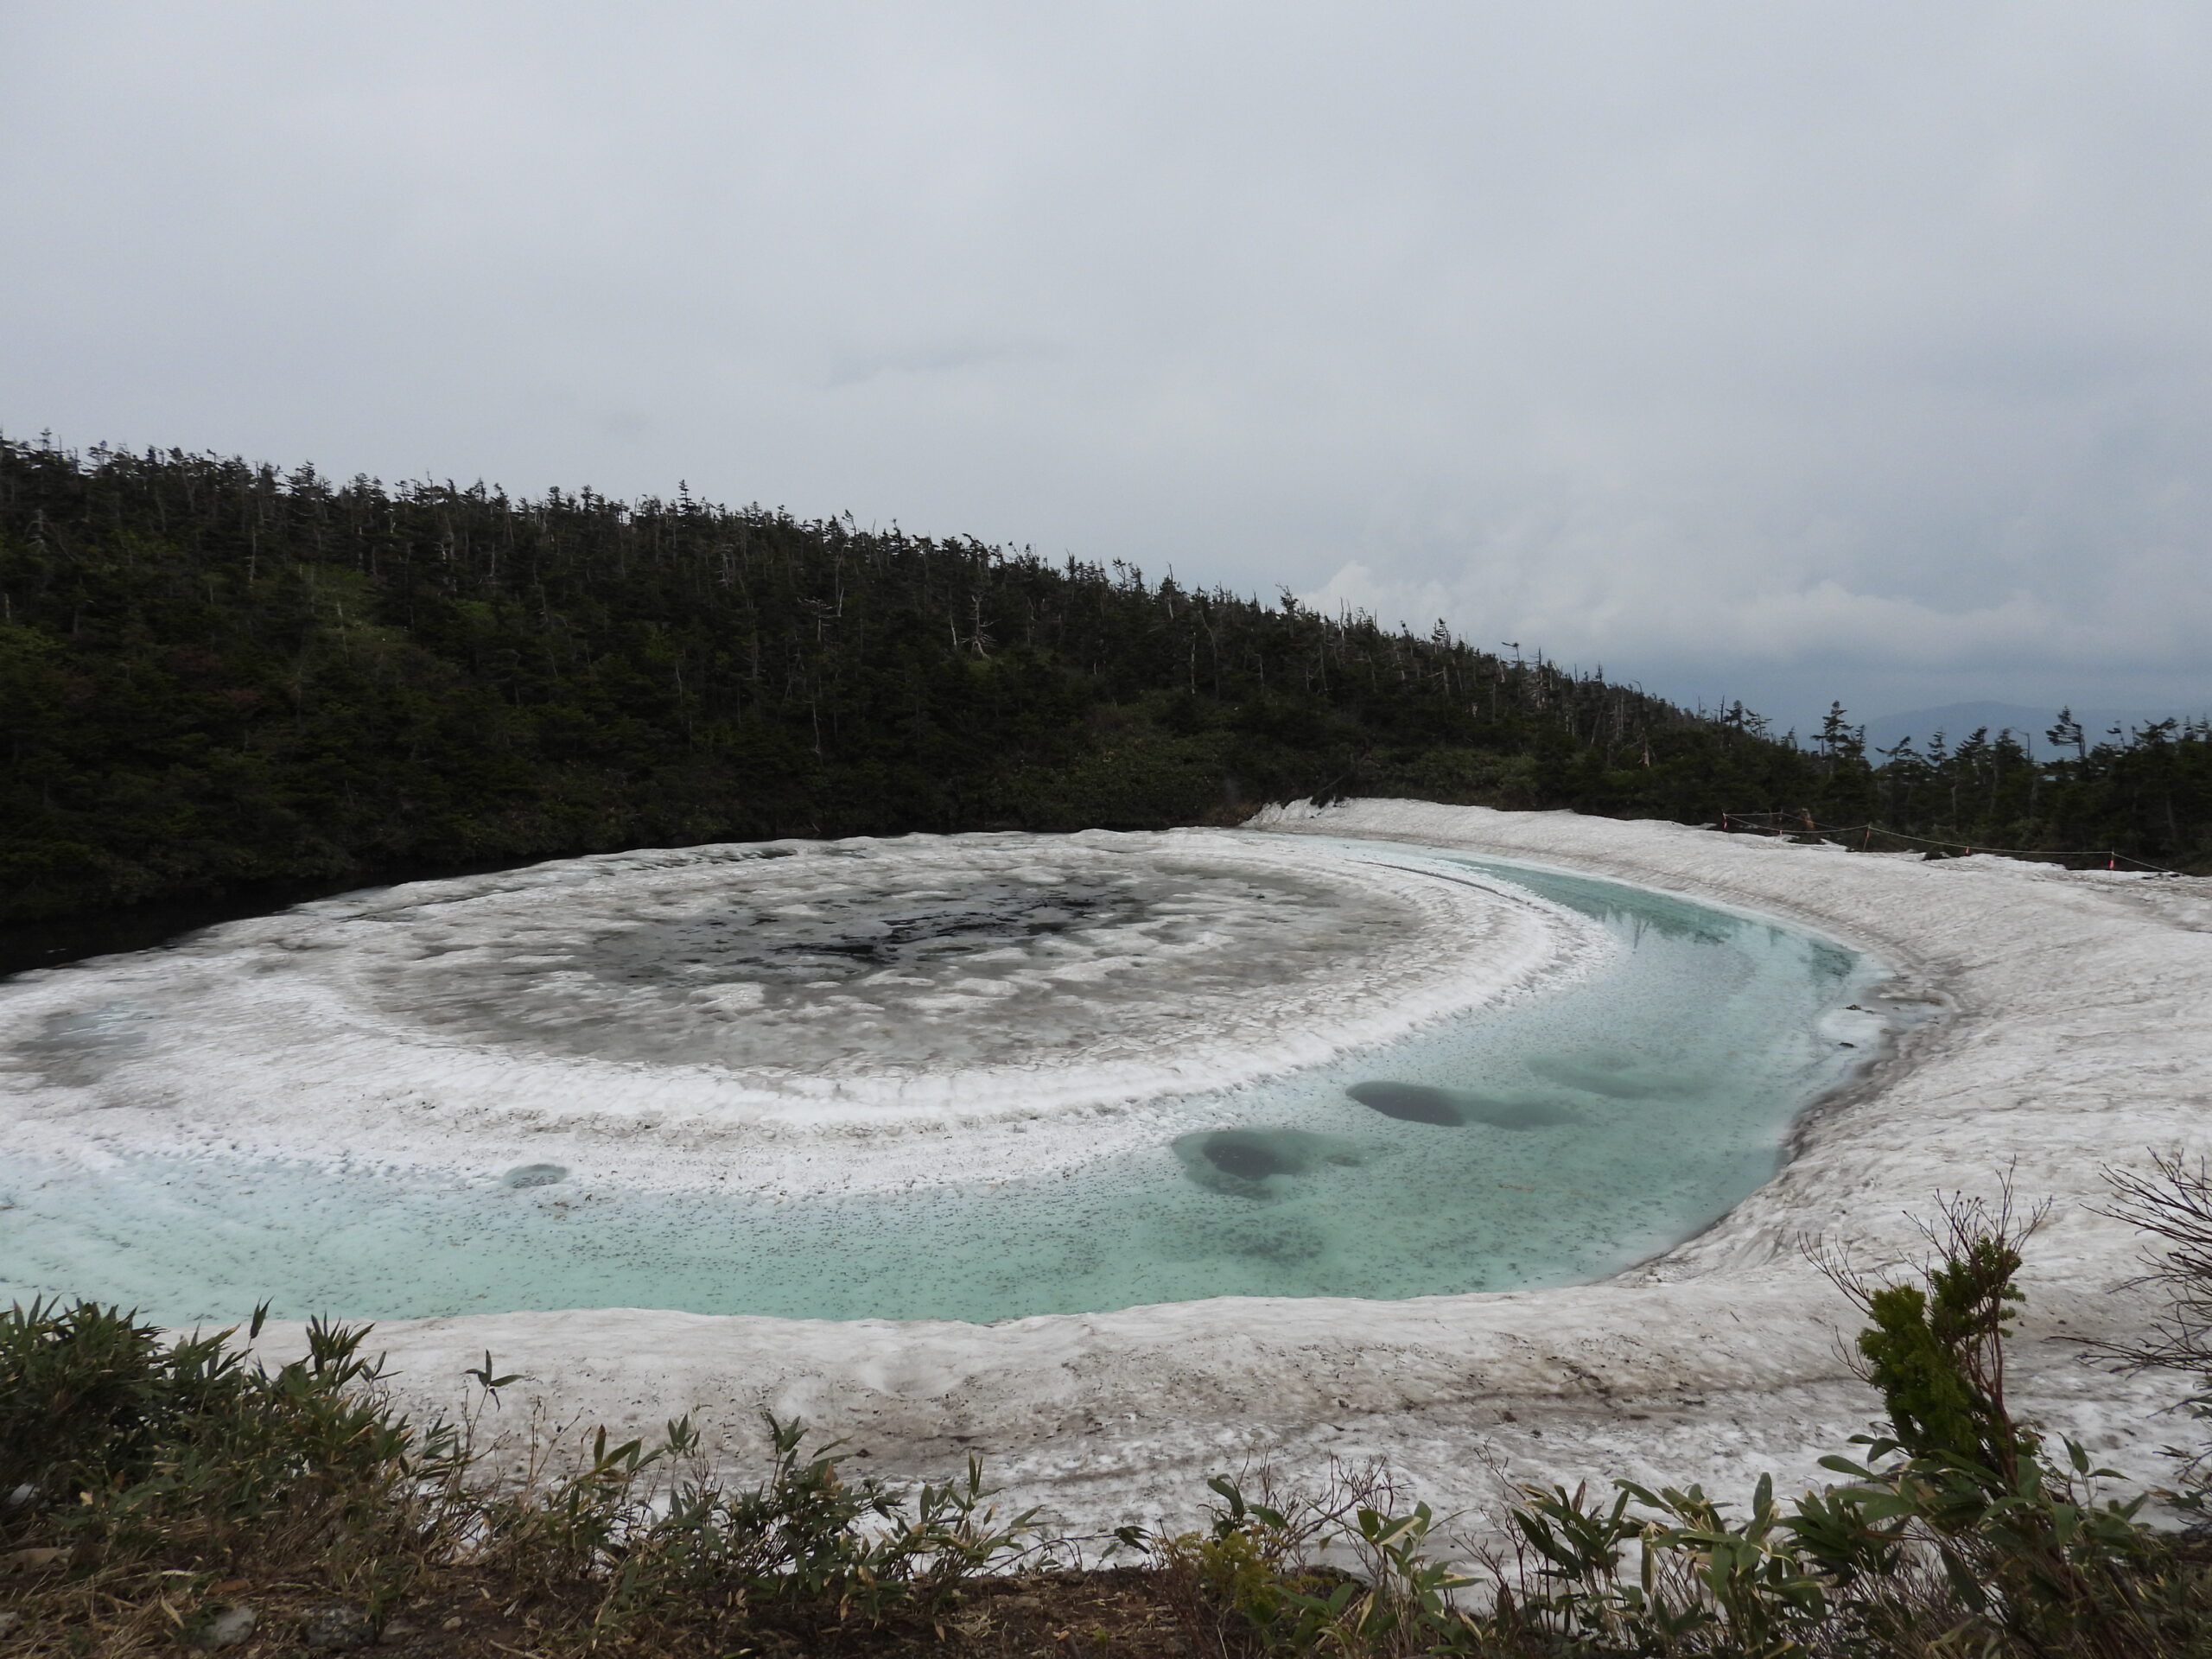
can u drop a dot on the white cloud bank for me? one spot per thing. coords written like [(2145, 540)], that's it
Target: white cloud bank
[(1780, 353)]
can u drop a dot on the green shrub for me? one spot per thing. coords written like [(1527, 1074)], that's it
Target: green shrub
[(158, 1468), (1953, 1533)]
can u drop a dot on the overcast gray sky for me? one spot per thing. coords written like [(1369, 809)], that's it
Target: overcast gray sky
[(1783, 352)]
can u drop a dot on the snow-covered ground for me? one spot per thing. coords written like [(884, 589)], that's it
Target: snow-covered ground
[(2072, 1034)]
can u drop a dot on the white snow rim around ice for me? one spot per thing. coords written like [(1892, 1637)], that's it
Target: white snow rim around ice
[(787, 1018), (2071, 1038)]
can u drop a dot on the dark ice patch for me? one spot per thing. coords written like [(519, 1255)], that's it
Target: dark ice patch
[(1410, 1102), (522, 1175), (1422, 1102), (1246, 1161), (1247, 1157)]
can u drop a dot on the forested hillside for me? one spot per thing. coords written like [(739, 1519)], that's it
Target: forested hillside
[(2147, 791), (2142, 797), (214, 676)]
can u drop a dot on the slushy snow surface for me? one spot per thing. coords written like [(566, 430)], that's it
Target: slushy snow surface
[(913, 1079)]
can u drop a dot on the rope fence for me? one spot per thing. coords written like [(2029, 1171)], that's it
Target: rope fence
[(1799, 826)]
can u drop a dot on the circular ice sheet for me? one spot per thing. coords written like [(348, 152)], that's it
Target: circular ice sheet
[(782, 1018)]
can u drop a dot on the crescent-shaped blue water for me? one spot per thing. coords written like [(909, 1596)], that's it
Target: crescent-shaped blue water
[(1551, 1139)]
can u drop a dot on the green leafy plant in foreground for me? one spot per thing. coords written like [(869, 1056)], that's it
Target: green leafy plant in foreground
[(809, 1549), (152, 1474), (150, 1471), (1954, 1533)]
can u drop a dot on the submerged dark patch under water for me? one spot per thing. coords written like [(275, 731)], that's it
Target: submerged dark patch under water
[(1244, 1162), (1422, 1103)]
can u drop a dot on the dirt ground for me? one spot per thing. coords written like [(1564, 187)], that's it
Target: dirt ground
[(1120, 1612)]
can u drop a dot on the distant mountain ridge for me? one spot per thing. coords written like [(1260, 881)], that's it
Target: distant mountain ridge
[(1957, 719)]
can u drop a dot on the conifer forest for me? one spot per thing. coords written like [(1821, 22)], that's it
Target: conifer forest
[(218, 678)]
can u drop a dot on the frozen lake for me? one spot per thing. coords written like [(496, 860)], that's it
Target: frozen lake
[(970, 1078)]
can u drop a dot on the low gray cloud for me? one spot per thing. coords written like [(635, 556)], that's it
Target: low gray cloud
[(1785, 353)]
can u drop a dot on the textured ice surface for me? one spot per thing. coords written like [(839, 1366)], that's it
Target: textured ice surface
[(871, 961), (1525, 1139)]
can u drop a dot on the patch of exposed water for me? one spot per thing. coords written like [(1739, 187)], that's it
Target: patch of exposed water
[(1543, 1139)]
